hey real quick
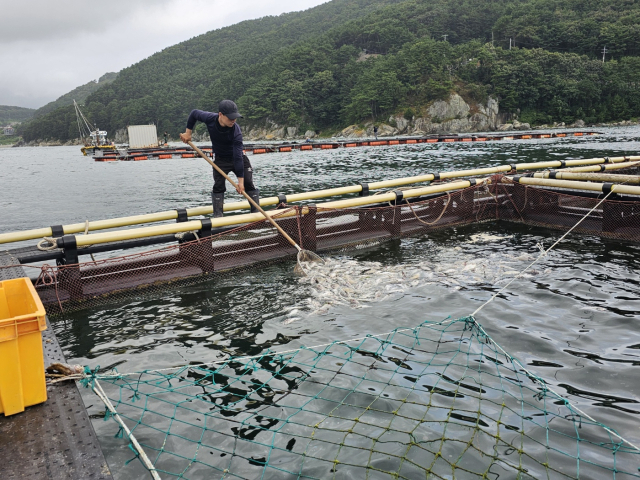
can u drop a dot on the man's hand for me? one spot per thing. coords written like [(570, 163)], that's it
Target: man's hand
[(240, 187), (186, 136)]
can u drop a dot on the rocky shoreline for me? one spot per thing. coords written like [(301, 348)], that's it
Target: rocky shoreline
[(453, 116)]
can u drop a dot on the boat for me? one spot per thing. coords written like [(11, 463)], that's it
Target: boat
[(94, 139)]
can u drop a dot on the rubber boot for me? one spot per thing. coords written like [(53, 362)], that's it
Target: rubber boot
[(218, 204), (255, 196)]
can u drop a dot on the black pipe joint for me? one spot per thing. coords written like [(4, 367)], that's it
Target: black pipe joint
[(69, 246), (182, 215), (57, 231), (205, 231)]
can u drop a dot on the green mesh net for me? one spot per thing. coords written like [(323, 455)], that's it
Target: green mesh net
[(441, 400)]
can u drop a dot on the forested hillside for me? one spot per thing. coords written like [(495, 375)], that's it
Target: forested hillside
[(351, 60), (14, 114), (79, 94)]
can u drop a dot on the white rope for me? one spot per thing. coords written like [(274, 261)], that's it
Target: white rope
[(86, 230), (97, 388), (531, 374), (542, 254), (79, 114), (181, 235), (51, 241), (444, 209), (53, 245)]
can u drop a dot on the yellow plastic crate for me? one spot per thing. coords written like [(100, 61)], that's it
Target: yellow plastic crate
[(22, 318)]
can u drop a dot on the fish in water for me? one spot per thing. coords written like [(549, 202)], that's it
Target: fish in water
[(485, 237), (344, 281)]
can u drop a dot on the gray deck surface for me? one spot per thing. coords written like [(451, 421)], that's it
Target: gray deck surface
[(53, 440)]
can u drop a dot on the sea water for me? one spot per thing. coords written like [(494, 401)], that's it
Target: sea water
[(571, 319)]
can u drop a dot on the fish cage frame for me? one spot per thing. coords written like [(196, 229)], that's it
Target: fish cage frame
[(205, 253)]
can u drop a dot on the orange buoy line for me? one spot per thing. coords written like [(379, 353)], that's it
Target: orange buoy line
[(258, 149)]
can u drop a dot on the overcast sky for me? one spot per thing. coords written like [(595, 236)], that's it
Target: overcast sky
[(50, 47)]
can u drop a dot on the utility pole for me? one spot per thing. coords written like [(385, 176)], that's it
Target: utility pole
[(604, 52), (445, 37), (509, 43)]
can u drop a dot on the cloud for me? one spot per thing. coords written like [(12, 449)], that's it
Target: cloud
[(51, 47), (39, 20)]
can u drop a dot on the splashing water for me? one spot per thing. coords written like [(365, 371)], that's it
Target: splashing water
[(343, 280)]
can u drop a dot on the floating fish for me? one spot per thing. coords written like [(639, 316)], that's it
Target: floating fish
[(353, 283)]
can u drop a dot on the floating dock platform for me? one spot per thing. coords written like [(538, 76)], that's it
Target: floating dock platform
[(260, 148), (55, 439)]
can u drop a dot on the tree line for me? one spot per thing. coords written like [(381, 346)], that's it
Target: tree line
[(9, 114), (349, 61)]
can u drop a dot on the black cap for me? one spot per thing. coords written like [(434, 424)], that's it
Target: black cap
[(229, 109)]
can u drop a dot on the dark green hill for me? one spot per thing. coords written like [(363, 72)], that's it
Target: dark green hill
[(577, 26), (14, 114), (349, 60), (78, 94)]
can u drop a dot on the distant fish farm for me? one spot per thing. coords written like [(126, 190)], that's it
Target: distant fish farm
[(160, 153)]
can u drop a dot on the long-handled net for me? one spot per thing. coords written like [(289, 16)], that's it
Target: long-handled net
[(304, 256), (441, 400)]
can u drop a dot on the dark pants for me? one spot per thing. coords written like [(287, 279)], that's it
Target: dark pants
[(226, 165)]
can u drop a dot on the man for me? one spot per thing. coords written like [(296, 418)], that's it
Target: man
[(226, 140), (166, 136)]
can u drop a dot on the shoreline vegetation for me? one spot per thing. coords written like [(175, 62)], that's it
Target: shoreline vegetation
[(297, 139), (9, 140), (388, 63)]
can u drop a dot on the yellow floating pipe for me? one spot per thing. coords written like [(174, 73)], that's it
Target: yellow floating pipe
[(331, 192), (589, 177), (398, 182), (101, 224), (25, 235), (570, 163), (391, 196), (594, 187), (167, 229), (173, 214), (598, 168), (173, 228), (268, 201), (478, 171)]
